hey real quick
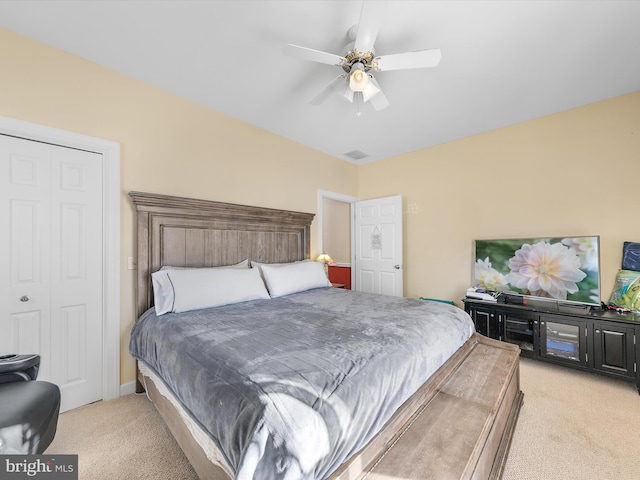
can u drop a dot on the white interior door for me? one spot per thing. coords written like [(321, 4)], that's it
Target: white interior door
[(378, 246), (51, 202)]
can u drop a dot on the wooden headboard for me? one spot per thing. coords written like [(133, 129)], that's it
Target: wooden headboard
[(185, 232)]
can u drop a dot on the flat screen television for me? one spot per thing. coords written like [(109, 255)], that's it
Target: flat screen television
[(564, 269)]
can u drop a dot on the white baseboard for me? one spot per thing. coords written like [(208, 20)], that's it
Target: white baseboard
[(128, 388)]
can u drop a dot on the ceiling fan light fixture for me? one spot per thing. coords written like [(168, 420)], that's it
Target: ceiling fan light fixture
[(370, 91), (358, 78), (348, 94)]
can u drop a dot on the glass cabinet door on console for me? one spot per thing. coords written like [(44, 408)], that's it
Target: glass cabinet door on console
[(520, 329), (563, 342)]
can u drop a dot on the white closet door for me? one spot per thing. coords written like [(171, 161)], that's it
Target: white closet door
[(52, 203), (76, 275), (25, 256)]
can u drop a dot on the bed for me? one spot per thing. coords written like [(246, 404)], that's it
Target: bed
[(309, 384)]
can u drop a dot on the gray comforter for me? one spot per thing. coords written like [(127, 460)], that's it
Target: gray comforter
[(291, 387)]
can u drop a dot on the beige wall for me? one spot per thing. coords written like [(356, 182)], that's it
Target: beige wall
[(573, 173), (168, 145)]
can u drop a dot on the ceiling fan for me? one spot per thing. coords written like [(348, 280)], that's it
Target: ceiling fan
[(359, 60)]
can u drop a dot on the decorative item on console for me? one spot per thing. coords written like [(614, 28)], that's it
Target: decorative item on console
[(626, 291), (631, 256)]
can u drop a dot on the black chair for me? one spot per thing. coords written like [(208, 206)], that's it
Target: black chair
[(28, 409)]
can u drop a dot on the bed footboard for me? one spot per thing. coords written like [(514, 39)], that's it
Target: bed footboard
[(464, 430)]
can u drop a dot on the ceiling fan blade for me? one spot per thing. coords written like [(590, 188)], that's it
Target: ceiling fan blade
[(401, 61), (312, 55), (371, 17), (379, 100), (337, 86)]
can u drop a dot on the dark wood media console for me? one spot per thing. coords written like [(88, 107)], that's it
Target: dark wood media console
[(594, 340)]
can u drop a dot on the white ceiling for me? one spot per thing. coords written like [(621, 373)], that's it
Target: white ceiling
[(503, 62)]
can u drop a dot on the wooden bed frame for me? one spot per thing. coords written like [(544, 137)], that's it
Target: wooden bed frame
[(457, 425)]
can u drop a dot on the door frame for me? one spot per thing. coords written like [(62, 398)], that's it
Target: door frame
[(110, 233), (322, 194)]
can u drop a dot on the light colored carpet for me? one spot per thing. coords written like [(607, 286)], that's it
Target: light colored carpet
[(573, 425), (120, 439)]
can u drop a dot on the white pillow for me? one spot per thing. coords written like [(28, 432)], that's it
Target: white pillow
[(191, 289), (259, 265), (163, 297), (296, 277)]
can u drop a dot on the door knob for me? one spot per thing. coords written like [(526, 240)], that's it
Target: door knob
[(397, 267), (24, 298)]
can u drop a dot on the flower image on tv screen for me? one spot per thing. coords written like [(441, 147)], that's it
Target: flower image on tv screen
[(559, 268)]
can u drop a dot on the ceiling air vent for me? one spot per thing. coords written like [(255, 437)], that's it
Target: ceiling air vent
[(356, 155)]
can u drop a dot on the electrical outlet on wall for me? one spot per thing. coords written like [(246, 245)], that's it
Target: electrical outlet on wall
[(131, 264)]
